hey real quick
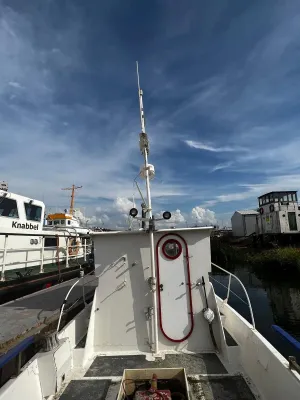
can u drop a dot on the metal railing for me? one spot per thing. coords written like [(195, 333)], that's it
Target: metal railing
[(248, 303), (59, 248), (82, 296)]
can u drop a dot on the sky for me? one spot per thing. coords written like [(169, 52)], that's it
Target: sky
[(221, 100)]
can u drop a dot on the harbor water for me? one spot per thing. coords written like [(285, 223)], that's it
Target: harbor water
[(274, 301)]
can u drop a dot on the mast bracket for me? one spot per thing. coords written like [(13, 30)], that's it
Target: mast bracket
[(144, 142)]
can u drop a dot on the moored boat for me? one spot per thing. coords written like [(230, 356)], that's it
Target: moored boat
[(155, 328)]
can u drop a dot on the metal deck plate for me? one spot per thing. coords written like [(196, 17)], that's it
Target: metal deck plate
[(220, 388), (86, 389), (194, 364)]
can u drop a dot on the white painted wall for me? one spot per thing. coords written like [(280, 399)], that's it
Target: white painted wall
[(277, 221), (25, 386), (250, 224), (243, 224), (77, 327), (217, 325), (118, 322), (263, 364), (237, 224)]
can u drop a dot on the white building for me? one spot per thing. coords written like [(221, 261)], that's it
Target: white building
[(244, 222), (279, 212)]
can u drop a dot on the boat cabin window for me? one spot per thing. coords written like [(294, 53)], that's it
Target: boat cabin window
[(62, 222), (171, 249), (49, 222), (8, 208), (56, 222), (69, 222), (33, 213), (50, 241)]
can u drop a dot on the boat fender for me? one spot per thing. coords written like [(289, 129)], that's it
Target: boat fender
[(209, 315)]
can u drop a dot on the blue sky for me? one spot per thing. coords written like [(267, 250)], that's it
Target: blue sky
[(221, 97)]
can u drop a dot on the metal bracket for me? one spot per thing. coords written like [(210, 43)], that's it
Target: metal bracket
[(149, 313), (152, 283), (293, 364)]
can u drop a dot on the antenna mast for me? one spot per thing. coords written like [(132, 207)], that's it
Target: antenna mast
[(144, 147), (144, 143), (73, 188)]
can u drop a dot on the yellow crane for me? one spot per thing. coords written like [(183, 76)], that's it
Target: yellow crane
[(73, 188)]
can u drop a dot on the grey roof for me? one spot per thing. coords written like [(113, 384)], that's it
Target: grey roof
[(247, 212)]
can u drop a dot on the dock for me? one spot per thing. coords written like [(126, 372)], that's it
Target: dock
[(31, 314)]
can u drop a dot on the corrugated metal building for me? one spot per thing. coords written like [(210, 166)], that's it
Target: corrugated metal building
[(244, 222)]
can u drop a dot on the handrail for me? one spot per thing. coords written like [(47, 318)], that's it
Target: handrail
[(67, 295), (86, 247), (45, 234), (243, 287)]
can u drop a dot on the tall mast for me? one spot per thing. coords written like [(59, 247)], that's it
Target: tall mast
[(73, 188), (144, 147), (144, 143)]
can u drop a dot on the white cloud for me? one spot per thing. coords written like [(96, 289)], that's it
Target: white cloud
[(15, 85), (203, 216), (210, 147), (282, 182), (123, 205), (81, 217), (177, 219), (221, 166)]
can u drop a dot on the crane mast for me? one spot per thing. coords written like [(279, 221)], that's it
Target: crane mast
[(73, 188)]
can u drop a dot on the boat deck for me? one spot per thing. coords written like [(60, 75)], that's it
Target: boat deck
[(30, 314), (207, 377)]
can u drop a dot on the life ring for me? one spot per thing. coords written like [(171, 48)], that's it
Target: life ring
[(73, 248), (261, 211), (271, 207)]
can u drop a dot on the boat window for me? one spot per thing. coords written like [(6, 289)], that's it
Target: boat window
[(69, 222), (259, 202), (49, 222), (62, 222), (172, 249), (8, 208), (33, 213), (50, 241), (290, 197), (56, 222)]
